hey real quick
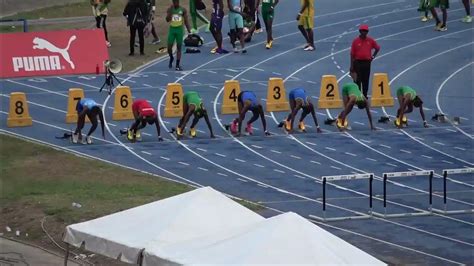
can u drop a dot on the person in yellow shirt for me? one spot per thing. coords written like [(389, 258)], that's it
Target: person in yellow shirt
[(305, 20)]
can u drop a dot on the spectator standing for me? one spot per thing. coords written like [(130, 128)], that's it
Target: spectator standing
[(177, 17), (136, 13), (361, 58), (193, 9), (305, 20), (444, 6), (467, 6), (100, 11), (216, 25), (151, 17)]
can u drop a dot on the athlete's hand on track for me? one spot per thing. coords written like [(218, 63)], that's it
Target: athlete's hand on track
[(160, 138), (425, 124), (267, 133), (373, 128)]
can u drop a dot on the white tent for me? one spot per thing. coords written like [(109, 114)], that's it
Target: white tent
[(286, 239), (124, 235)]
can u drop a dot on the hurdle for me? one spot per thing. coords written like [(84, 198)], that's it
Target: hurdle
[(447, 172), (428, 173), (369, 176)]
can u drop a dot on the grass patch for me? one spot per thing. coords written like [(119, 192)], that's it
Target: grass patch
[(119, 33)]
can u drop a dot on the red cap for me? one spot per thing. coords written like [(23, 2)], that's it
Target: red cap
[(364, 27)]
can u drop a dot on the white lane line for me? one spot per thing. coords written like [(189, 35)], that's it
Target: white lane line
[(321, 113), (279, 171), (448, 162), (214, 87), (260, 185), (312, 82), (212, 72), (221, 155), (463, 118), (201, 149), (298, 176), (204, 169), (165, 158), (147, 85), (294, 156), (418, 138), (450, 130), (145, 152), (426, 156), (258, 69), (405, 151), (257, 147), (229, 76), (459, 148), (240, 160), (359, 123), (163, 74), (232, 70), (183, 163), (196, 82), (439, 143), (311, 143), (114, 125), (166, 122), (385, 146), (398, 133), (262, 84), (370, 159), (200, 131), (245, 80), (351, 154), (274, 151), (335, 167), (222, 174), (258, 165), (242, 180), (110, 107), (366, 141), (276, 73), (315, 162), (391, 164), (143, 133), (329, 148), (373, 111)]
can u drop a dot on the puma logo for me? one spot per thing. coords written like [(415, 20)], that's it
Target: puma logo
[(43, 44)]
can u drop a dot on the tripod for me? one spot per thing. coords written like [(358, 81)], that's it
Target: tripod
[(109, 80)]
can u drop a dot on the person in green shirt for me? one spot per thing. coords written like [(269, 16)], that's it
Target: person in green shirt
[(351, 95), (192, 105), (268, 7), (196, 15), (177, 16), (407, 98)]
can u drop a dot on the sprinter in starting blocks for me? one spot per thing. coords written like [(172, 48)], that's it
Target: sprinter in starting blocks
[(299, 100), (87, 107), (247, 101), (143, 114), (351, 95), (407, 98), (192, 105)]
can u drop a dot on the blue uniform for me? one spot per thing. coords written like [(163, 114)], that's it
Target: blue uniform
[(248, 96), (86, 102), (299, 94)]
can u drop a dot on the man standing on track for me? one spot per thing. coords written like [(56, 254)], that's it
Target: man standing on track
[(268, 11), (192, 105), (467, 6), (351, 96), (444, 6), (143, 113), (236, 24), (216, 25), (300, 100), (247, 101), (177, 16), (87, 107), (407, 98), (305, 20), (361, 58)]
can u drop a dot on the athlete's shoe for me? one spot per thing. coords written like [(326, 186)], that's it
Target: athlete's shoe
[(258, 30), (309, 48), (75, 138), (467, 19), (244, 51), (179, 131), (438, 26), (178, 68), (287, 125), (249, 129), (301, 126), (233, 126), (214, 50), (236, 50), (192, 132), (89, 140), (424, 19), (222, 51), (130, 135), (269, 45), (443, 28)]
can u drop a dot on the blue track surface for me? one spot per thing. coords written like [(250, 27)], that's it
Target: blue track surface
[(283, 172)]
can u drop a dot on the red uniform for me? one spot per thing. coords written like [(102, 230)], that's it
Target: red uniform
[(361, 49), (143, 108)]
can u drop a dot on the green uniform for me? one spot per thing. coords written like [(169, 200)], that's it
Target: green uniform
[(176, 31), (193, 98), (351, 89), (402, 91), (444, 4), (267, 9)]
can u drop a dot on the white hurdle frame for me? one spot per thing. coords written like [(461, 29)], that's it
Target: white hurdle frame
[(447, 172), (325, 179), (428, 173)]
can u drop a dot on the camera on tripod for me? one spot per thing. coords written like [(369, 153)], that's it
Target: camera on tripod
[(111, 68)]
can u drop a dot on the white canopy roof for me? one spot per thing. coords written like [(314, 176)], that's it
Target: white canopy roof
[(191, 215), (286, 239)]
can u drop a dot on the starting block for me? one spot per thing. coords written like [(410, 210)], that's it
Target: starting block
[(329, 97), (122, 104), (174, 103), (338, 178), (445, 177), (428, 173), (381, 93), (276, 96), (229, 100), (19, 115), (439, 117)]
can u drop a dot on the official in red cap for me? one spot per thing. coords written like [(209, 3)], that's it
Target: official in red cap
[(361, 58)]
